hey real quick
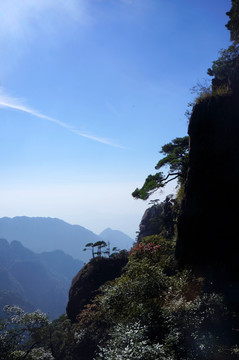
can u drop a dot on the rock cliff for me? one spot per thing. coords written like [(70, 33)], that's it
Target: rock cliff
[(208, 231)]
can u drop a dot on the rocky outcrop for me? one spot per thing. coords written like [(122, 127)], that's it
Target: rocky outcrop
[(147, 225), (208, 231), (159, 219), (89, 279)]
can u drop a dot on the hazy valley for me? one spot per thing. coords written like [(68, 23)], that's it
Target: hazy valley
[(40, 256)]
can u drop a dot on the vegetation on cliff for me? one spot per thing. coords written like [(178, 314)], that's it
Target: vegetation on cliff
[(153, 311)]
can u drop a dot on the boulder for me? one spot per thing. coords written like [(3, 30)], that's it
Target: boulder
[(90, 278)]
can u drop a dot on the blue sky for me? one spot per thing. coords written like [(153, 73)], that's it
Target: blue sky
[(89, 92)]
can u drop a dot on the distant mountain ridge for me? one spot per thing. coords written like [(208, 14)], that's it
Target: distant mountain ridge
[(122, 240), (47, 234), (41, 234)]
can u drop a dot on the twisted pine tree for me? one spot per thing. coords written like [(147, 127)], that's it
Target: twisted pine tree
[(176, 158)]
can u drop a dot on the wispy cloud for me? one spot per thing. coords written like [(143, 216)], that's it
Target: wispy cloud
[(8, 102), (22, 17)]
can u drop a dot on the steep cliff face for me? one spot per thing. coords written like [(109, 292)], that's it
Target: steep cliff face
[(88, 280), (208, 231)]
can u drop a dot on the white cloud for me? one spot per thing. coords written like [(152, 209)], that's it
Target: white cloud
[(8, 102)]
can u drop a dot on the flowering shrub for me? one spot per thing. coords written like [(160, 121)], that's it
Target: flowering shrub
[(144, 249), (158, 250)]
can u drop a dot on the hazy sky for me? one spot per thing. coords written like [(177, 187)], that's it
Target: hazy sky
[(89, 92)]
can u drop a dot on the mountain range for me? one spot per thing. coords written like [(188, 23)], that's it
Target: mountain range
[(41, 256), (48, 234)]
